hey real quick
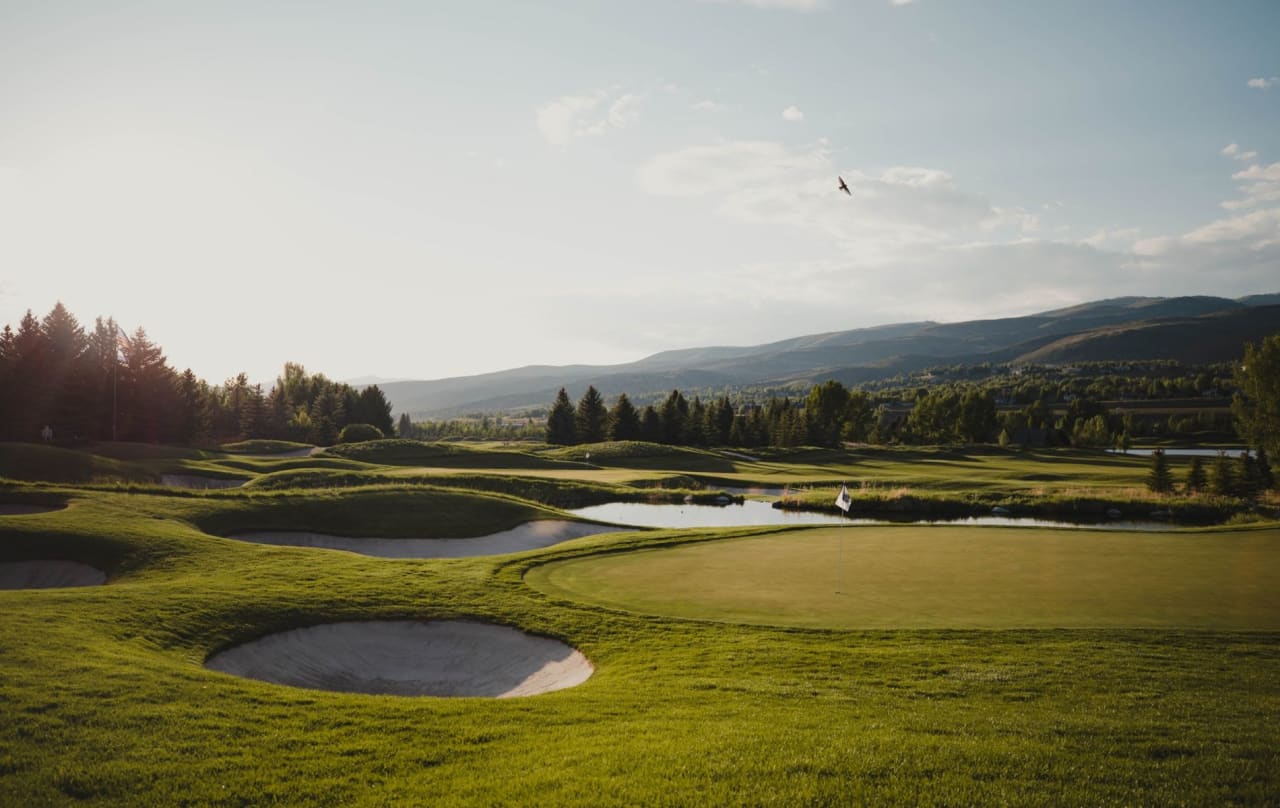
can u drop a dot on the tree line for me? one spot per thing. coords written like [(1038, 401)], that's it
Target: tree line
[(956, 412), (102, 384)]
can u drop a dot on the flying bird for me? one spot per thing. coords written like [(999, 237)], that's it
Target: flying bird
[(844, 187)]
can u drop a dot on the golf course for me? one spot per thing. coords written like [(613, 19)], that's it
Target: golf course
[(153, 651)]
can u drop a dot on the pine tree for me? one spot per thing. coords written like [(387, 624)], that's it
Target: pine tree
[(674, 413), (1256, 406), (591, 419), (1159, 479), (650, 425), (1247, 482), (1221, 481), (1196, 481), (1266, 480), (405, 428), (560, 421), (624, 421)]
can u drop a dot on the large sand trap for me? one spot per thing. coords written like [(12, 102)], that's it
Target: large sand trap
[(48, 574), (196, 481), (409, 658), (12, 509), (528, 536)]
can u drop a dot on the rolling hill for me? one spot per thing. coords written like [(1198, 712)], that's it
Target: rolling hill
[(1192, 330)]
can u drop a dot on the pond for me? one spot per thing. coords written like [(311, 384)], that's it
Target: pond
[(753, 512), (1232, 451)]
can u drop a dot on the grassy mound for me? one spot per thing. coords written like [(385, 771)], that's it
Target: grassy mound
[(36, 462), (402, 452), (393, 513), (642, 455), (263, 446)]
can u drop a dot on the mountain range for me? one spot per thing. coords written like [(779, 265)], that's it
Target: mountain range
[(1192, 330)]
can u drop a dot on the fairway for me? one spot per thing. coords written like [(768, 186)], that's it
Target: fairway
[(907, 577)]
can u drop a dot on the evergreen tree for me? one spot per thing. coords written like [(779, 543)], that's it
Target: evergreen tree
[(1196, 481), (674, 413), (1159, 479), (650, 424), (560, 421), (624, 420), (1247, 482), (405, 428), (591, 419), (721, 422), (1256, 406), (827, 408), (1266, 480), (372, 407), (1222, 481)]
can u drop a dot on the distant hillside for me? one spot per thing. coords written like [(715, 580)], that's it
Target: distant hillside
[(1188, 329), (1192, 340)]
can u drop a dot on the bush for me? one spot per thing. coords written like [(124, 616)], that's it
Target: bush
[(359, 433)]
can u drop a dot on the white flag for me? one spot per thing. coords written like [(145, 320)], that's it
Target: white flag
[(843, 500)]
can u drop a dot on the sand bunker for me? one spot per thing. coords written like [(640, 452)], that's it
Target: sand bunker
[(195, 481), (409, 658), (11, 509), (528, 536), (48, 575)]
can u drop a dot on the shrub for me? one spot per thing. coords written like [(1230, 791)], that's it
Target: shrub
[(359, 433)]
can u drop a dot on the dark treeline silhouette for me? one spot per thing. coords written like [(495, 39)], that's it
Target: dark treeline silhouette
[(102, 384), (831, 414)]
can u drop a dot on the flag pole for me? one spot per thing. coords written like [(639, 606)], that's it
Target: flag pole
[(843, 502)]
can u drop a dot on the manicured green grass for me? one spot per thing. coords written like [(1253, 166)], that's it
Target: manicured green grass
[(105, 700), (905, 576)]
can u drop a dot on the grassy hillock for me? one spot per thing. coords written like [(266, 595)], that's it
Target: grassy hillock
[(393, 513), (403, 452), (37, 462), (642, 455), (262, 446)]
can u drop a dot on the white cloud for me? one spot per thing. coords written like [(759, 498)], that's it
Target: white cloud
[(795, 5), (1263, 83), (792, 113), (708, 106), (902, 2), (1234, 151), (587, 115), (761, 182), (1261, 185)]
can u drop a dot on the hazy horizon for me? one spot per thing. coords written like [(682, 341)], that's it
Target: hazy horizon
[(464, 188)]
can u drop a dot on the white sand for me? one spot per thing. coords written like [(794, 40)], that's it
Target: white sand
[(409, 658), (195, 481), (528, 536), (9, 509), (48, 575)]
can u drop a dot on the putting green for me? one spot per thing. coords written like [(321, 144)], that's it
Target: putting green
[(896, 577)]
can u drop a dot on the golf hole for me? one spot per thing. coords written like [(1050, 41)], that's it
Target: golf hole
[(409, 658), (49, 575)]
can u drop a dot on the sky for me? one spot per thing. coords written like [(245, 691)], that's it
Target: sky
[(425, 190)]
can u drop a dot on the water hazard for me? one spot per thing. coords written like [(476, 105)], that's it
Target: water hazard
[(754, 512)]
